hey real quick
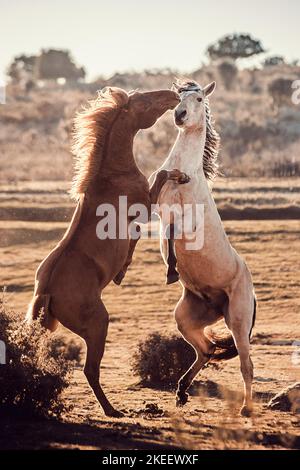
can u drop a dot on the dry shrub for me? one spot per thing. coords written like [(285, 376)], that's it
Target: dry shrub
[(281, 91), (33, 378), (228, 71), (161, 360), (71, 351)]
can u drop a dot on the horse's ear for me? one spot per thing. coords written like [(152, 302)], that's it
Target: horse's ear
[(106, 91), (209, 89), (175, 86)]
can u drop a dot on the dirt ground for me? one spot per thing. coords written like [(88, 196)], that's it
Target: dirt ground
[(144, 304)]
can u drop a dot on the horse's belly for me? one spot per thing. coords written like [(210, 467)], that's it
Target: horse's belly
[(200, 269), (203, 252)]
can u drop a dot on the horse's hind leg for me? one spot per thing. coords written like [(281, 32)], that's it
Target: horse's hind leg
[(194, 338), (39, 307), (95, 331), (192, 315), (240, 320)]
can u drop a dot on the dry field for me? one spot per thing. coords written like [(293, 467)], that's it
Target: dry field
[(33, 217)]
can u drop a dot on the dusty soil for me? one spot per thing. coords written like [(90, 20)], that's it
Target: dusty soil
[(143, 304)]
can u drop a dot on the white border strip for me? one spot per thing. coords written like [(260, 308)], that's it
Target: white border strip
[(2, 92)]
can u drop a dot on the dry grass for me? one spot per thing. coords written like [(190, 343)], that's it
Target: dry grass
[(143, 305)]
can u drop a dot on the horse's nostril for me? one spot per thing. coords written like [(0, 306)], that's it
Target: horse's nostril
[(179, 116)]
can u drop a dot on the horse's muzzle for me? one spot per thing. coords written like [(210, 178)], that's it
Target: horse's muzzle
[(179, 117)]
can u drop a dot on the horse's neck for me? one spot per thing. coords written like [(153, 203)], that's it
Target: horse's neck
[(187, 153), (118, 156)]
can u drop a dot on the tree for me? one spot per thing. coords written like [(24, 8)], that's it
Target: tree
[(52, 64), (22, 67), (274, 60), (235, 46), (281, 90)]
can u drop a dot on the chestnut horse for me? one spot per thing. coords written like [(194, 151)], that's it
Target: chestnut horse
[(70, 280)]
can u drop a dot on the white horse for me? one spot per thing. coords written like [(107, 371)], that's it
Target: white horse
[(216, 281)]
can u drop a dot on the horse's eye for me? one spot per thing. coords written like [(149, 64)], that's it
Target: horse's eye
[(199, 99)]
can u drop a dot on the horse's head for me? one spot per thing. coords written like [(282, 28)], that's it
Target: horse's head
[(190, 112), (145, 108)]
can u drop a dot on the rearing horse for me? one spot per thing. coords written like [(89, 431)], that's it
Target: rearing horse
[(216, 281), (70, 279)]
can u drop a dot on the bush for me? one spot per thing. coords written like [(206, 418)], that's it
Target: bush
[(161, 360), (281, 91), (71, 350), (228, 71), (32, 379)]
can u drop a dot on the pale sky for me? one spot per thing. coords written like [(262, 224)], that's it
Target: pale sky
[(115, 35)]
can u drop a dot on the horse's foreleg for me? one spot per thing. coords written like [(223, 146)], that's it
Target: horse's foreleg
[(172, 273), (162, 177), (132, 244), (95, 331)]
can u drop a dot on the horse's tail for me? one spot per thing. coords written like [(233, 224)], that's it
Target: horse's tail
[(225, 347), (254, 316), (39, 307)]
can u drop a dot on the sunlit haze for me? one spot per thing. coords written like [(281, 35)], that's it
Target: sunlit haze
[(107, 36)]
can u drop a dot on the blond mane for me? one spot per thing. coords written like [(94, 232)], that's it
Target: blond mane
[(91, 126)]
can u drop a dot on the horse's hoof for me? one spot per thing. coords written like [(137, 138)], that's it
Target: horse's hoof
[(184, 178), (119, 278), (178, 177), (246, 411), (114, 413), (181, 399), (171, 278)]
